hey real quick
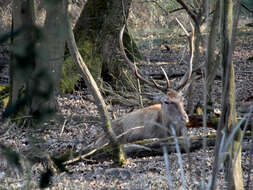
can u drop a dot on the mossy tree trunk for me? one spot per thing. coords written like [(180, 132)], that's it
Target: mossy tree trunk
[(97, 35)]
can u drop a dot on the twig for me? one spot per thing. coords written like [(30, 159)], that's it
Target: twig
[(63, 127)]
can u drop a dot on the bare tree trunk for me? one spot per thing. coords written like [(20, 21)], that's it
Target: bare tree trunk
[(233, 161), (23, 61), (212, 59), (22, 17), (35, 71), (233, 170), (118, 154), (51, 48)]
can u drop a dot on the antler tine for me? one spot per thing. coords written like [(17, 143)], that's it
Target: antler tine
[(166, 77), (134, 67), (188, 74)]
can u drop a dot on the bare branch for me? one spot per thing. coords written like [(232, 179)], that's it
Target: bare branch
[(191, 13), (182, 26)]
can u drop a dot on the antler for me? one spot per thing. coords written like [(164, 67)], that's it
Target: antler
[(136, 70), (191, 39)]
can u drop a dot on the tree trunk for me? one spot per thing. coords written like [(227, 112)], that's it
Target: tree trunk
[(51, 48), (97, 34), (233, 170), (35, 65), (233, 173), (23, 59), (22, 17), (212, 63)]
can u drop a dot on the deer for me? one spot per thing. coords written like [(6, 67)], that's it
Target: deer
[(153, 121)]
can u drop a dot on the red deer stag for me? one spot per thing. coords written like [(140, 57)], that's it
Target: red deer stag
[(146, 123)]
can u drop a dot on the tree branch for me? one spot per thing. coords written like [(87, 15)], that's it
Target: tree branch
[(191, 13)]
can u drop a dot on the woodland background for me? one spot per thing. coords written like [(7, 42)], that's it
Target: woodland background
[(77, 123)]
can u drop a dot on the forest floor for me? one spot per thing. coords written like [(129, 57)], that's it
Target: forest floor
[(78, 124)]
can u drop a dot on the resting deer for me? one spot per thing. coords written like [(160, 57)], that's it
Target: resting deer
[(146, 123)]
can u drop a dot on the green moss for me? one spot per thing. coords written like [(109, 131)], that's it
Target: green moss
[(214, 120), (70, 73), (131, 47), (4, 95), (211, 136), (69, 77), (92, 59), (4, 89)]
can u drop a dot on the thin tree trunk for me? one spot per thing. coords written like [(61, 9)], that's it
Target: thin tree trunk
[(118, 154), (212, 60), (233, 166)]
